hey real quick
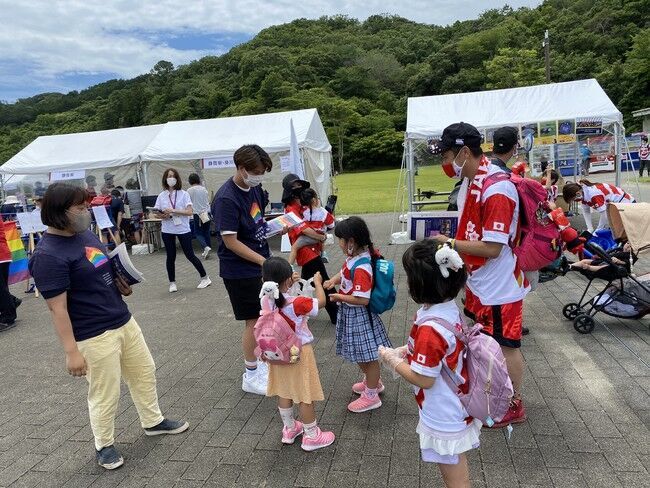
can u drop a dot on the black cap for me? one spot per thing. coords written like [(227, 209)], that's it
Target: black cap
[(456, 135), (505, 138), (287, 183)]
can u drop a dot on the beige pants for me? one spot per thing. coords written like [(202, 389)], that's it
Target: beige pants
[(116, 354)]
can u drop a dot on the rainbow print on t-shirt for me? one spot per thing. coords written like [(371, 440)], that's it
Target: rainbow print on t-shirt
[(96, 257), (256, 213)]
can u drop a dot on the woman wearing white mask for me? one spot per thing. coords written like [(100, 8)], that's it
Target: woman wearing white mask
[(174, 207), (238, 210)]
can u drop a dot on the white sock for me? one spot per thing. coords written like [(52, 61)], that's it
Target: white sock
[(311, 430), (251, 368), (287, 417)]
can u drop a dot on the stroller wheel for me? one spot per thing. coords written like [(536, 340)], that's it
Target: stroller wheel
[(571, 310), (584, 324)]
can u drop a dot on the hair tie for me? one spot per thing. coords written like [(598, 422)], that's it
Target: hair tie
[(447, 259)]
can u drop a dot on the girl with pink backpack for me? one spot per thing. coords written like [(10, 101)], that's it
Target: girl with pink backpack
[(294, 380), (446, 430)]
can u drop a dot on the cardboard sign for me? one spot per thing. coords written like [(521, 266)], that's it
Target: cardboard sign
[(30, 223), (102, 218)]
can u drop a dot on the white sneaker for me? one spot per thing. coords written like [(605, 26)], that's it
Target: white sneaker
[(204, 283), (172, 287), (263, 368), (206, 252), (255, 384)]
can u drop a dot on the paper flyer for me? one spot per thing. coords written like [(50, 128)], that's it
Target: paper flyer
[(276, 226)]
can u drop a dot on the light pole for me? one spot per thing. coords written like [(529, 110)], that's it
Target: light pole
[(546, 44)]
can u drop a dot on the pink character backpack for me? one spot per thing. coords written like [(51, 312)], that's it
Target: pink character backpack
[(490, 389), (539, 242), (275, 333)]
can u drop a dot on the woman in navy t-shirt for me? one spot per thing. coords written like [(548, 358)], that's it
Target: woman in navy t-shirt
[(100, 338), (238, 210)]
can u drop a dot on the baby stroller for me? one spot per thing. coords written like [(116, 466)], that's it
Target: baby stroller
[(625, 295)]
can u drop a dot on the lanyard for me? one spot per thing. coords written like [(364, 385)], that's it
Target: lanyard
[(173, 203)]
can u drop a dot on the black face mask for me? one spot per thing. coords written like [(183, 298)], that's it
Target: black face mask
[(296, 192)]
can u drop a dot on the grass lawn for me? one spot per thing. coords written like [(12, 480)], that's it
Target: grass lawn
[(375, 191)]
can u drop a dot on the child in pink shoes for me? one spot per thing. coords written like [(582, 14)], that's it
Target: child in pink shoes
[(298, 382)]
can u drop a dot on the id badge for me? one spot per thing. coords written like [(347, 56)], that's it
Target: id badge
[(177, 220)]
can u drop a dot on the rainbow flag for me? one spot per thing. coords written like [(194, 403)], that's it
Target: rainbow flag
[(18, 269)]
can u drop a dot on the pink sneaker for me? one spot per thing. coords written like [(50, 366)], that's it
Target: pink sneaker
[(289, 435), (359, 387), (364, 403), (323, 439)]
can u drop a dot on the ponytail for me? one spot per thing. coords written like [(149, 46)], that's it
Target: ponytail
[(280, 301)]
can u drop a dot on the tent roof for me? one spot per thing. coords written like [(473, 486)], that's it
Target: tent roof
[(428, 116), (84, 150), (209, 138)]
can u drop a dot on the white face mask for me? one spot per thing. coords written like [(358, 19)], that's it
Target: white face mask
[(252, 180), (458, 169), (171, 183)]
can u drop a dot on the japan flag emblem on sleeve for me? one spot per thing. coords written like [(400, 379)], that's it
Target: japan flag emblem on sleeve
[(421, 359), (499, 226)]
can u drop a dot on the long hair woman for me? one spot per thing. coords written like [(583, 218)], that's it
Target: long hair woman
[(174, 207)]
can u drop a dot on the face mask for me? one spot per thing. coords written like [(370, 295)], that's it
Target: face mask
[(79, 221), (171, 182), (453, 170), (253, 180)]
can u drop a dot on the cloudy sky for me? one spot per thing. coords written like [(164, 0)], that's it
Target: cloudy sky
[(56, 45)]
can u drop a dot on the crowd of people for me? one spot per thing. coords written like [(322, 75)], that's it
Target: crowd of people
[(103, 342)]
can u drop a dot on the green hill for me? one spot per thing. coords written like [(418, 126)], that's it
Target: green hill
[(359, 74)]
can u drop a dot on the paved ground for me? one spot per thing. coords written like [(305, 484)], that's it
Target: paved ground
[(587, 398)]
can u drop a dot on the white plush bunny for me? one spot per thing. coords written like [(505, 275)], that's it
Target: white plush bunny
[(447, 259), (268, 294)]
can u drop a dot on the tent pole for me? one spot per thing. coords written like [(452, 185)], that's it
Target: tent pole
[(411, 175), (617, 152)]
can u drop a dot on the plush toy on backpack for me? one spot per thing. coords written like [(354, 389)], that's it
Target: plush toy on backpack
[(274, 332)]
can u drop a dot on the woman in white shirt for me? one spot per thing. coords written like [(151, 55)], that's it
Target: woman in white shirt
[(174, 207)]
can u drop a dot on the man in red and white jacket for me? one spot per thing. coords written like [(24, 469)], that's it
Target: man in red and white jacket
[(488, 224)]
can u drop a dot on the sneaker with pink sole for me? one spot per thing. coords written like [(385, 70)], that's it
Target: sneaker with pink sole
[(290, 435), (360, 387), (322, 439), (364, 403)]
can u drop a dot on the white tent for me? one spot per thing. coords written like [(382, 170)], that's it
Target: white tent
[(186, 144), (147, 150), (428, 116)]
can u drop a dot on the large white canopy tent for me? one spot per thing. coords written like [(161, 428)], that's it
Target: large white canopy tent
[(116, 151), (186, 144), (428, 116), (145, 151)]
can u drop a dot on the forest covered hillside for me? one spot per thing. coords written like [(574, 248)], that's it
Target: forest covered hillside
[(359, 74)]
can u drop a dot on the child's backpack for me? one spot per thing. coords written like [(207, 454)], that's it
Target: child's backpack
[(275, 333), (382, 297), (490, 389), (539, 242)]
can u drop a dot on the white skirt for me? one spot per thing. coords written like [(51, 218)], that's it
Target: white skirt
[(450, 443)]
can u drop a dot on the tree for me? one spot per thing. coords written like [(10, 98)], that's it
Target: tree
[(514, 67)]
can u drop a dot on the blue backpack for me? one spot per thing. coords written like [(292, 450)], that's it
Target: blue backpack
[(382, 297)]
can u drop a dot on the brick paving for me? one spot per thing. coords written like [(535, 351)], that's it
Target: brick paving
[(587, 398)]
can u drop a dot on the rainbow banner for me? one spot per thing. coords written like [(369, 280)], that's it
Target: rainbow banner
[(18, 269)]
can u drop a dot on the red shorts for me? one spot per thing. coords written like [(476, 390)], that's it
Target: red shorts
[(503, 322)]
